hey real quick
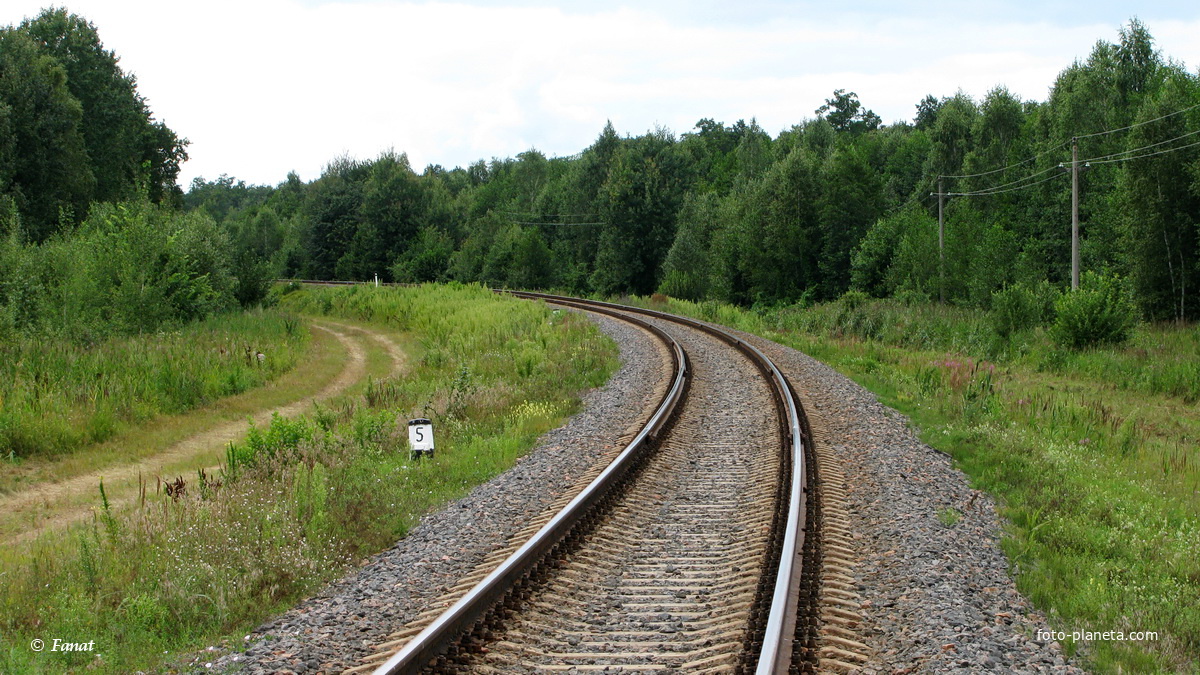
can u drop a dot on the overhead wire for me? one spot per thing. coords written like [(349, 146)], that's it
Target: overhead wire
[(1104, 159), (1010, 166), (1149, 154), (518, 214), (549, 215), (995, 191), (520, 222), (1100, 159), (1138, 124)]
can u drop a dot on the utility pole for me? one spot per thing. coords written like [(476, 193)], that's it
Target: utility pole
[(1074, 213), (941, 245)]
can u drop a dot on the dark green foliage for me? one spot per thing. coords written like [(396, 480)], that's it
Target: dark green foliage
[(49, 174), (130, 268), (1161, 212), (846, 113), (1099, 313), (896, 253), (1020, 307), (687, 270), (73, 127), (851, 203), (778, 232), (427, 260)]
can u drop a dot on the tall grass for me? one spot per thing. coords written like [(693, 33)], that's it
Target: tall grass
[(1158, 359), (1092, 453), (303, 499), (57, 397)]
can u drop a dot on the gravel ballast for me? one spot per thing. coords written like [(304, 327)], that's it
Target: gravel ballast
[(935, 598)]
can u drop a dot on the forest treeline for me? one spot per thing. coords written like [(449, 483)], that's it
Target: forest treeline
[(838, 202)]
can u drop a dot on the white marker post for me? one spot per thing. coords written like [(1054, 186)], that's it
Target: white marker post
[(420, 437)]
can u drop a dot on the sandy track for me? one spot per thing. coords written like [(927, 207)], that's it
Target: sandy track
[(51, 498)]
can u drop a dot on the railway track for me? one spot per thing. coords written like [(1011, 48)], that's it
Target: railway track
[(688, 552)]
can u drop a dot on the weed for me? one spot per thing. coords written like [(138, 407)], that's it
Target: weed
[(949, 516)]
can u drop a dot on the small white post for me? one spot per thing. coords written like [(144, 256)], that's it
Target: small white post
[(420, 437)]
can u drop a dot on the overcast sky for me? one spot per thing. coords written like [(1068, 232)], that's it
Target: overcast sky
[(263, 87)]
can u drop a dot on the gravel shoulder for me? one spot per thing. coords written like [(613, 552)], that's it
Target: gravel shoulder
[(936, 598)]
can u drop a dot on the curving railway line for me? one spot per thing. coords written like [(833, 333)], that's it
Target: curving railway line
[(688, 552)]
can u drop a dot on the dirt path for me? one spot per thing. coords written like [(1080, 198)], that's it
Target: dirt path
[(49, 505)]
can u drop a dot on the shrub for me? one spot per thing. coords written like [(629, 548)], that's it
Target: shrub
[(1021, 307), (911, 298), (852, 300), (1099, 313)]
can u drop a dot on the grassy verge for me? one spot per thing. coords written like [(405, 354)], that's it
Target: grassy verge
[(302, 499), (57, 397), (1093, 454), (323, 358)]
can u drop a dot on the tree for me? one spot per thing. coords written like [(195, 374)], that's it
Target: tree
[(687, 269), (332, 211), (645, 187), (847, 114), (850, 203), (951, 136), (780, 233), (1159, 210), (871, 261), (1138, 62), (927, 112), (531, 266), (427, 259), (393, 210), (50, 177), (124, 144)]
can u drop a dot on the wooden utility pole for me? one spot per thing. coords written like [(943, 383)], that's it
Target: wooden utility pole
[(941, 245), (1074, 213)]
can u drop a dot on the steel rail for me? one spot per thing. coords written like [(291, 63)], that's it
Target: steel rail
[(775, 653), (436, 638)]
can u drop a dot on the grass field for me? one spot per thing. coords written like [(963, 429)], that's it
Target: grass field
[(57, 397), (304, 498), (1093, 454)]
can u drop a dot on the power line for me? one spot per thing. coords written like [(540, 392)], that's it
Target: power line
[(1102, 158), (1002, 186), (1064, 143), (1138, 124), (519, 222), (1150, 154), (1010, 166), (549, 215), (997, 191)]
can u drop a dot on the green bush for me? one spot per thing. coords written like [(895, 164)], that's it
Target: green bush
[(852, 300), (1099, 313), (1021, 307)]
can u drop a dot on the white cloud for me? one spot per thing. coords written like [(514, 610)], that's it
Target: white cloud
[(268, 86)]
